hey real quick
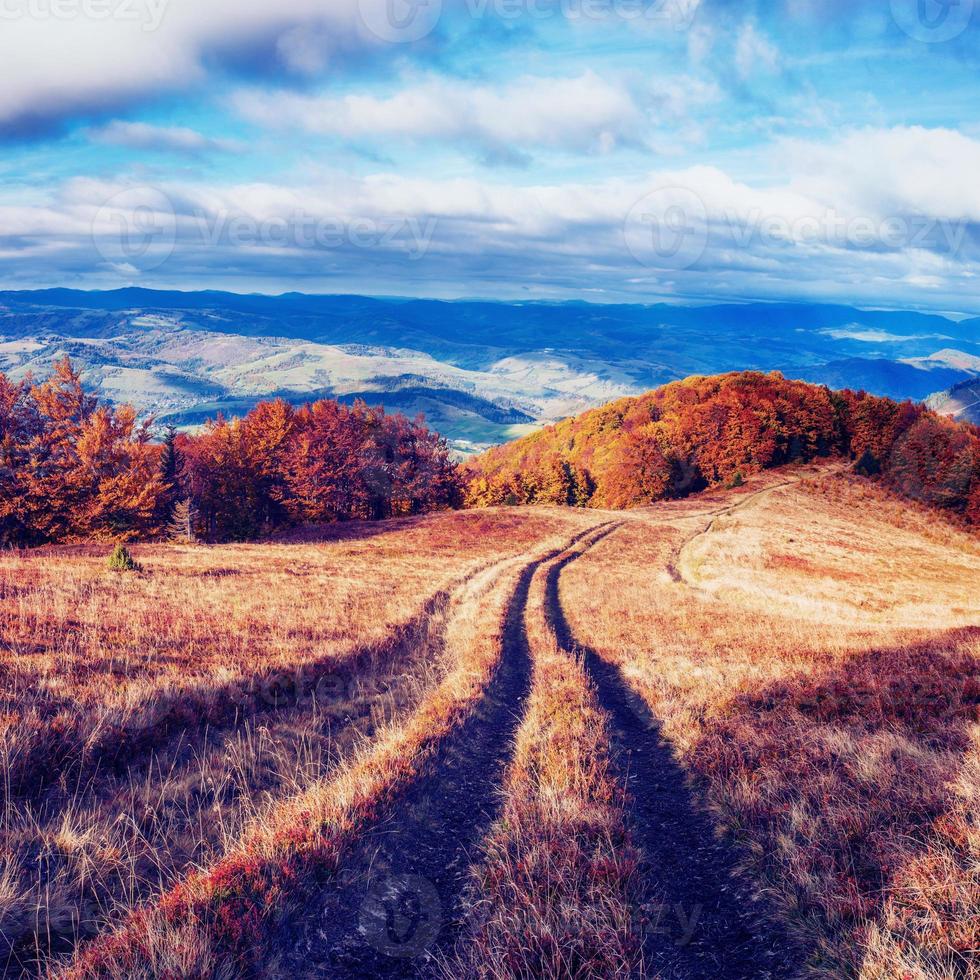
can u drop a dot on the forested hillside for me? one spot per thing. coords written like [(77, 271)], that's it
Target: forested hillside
[(74, 468), (716, 431)]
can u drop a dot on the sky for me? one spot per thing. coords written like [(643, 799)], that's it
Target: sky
[(601, 150)]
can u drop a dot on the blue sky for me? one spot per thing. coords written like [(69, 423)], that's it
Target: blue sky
[(543, 149)]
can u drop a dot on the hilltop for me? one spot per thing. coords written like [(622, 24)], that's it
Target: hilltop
[(715, 431)]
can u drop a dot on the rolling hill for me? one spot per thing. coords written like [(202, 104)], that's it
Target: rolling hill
[(482, 372), (713, 431)]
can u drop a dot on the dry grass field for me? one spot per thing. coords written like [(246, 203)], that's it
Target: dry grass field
[(811, 653), (149, 719), (729, 737)]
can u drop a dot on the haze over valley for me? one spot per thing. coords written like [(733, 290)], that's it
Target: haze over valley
[(481, 372)]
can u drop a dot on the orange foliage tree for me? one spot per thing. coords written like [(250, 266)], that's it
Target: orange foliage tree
[(710, 431), (322, 462), (72, 468)]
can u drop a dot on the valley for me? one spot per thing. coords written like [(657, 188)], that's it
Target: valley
[(481, 372)]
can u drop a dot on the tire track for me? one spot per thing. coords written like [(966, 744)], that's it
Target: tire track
[(338, 695), (701, 920), (398, 905), (675, 569)]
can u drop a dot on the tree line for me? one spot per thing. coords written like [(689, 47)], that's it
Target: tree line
[(715, 431), (74, 468)]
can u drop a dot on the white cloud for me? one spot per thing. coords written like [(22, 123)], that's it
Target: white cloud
[(583, 113), (59, 65), (795, 236), (898, 171), (754, 52), (175, 139)]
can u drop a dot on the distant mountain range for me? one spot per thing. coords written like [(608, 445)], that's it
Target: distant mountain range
[(962, 401), (482, 372)]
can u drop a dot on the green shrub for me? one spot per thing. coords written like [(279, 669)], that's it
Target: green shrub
[(122, 561)]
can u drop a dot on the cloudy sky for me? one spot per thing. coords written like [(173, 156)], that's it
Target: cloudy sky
[(545, 149)]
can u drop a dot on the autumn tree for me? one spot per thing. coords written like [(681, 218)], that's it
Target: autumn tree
[(118, 476), (181, 526), (71, 468), (935, 461), (323, 462), (716, 431), (20, 425)]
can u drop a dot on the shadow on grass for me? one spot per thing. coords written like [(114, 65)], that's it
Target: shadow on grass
[(700, 917), (854, 769)]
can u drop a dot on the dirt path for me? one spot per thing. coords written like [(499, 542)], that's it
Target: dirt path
[(676, 568), (703, 922), (398, 901)]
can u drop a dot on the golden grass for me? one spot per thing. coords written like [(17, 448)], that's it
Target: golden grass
[(816, 669), (231, 910), (190, 753), (150, 720)]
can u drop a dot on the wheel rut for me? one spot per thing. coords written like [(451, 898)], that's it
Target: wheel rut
[(397, 904), (675, 569), (701, 922)]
